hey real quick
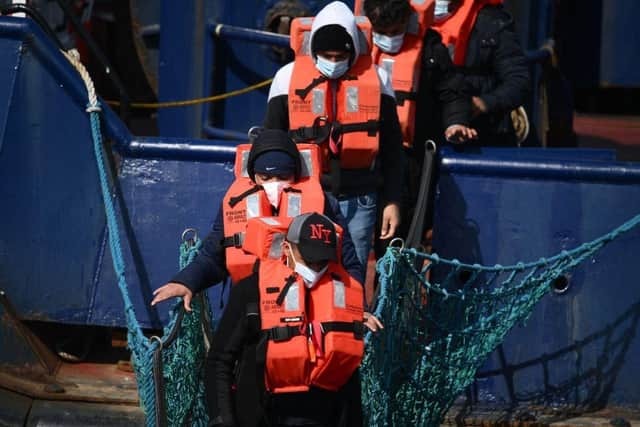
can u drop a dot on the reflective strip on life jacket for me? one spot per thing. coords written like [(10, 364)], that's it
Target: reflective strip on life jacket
[(456, 29), (309, 155), (300, 35), (235, 216), (287, 364), (350, 132), (245, 200), (404, 67), (336, 304), (266, 235), (318, 343)]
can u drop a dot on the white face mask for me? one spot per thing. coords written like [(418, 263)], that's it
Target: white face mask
[(309, 275), (331, 69), (388, 44), (273, 191), (442, 9)]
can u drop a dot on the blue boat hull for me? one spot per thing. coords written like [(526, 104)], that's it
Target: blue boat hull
[(578, 348)]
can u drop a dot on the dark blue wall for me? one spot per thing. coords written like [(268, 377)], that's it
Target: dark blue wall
[(577, 348)]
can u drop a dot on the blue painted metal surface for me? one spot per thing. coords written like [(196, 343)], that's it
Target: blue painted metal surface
[(619, 62), (580, 347), (54, 264), (229, 32), (180, 68)]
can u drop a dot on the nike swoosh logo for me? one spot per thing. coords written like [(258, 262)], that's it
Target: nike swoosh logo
[(270, 168)]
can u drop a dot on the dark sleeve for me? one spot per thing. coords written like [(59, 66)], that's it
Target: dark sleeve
[(277, 116), (349, 258), (447, 81), (509, 65), (209, 266), (228, 343), (391, 155)]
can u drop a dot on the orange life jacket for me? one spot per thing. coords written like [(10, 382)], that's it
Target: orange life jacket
[(245, 200), (314, 336), (456, 29), (349, 134), (404, 66)]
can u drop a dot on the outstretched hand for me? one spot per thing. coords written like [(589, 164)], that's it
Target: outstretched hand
[(460, 133), (372, 322), (171, 290), (390, 221)]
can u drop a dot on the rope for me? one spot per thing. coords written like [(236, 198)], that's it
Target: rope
[(169, 370), (186, 103)]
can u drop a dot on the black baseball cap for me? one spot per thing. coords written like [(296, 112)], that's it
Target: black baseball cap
[(316, 237)]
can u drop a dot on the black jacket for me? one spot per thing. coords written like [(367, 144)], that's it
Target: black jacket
[(232, 359), (496, 70), (209, 266), (441, 99)]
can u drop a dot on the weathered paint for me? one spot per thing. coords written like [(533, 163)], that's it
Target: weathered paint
[(55, 264)]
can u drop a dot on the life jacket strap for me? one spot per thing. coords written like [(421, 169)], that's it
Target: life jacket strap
[(292, 190), (318, 133), (234, 241), (283, 333), (370, 126), (357, 327), (302, 93), (237, 199), (403, 95), (285, 289)]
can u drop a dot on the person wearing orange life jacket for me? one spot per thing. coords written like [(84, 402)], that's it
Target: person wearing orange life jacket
[(333, 95), (291, 337), (420, 71), (483, 44), (268, 182)]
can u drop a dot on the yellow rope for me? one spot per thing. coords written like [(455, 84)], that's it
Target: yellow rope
[(196, 101)]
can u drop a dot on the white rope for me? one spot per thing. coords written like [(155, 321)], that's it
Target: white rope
[(74, 58)]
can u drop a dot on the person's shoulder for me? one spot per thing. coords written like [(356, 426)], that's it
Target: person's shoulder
[(281, 81), (246, 289), (432, 37), (434, 51), (496, 16)]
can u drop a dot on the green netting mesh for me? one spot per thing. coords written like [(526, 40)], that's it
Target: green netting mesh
[(183, 360), (170, 370), (183, 373), (438, 332)]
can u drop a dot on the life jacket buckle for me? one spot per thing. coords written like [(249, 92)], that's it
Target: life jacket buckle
[(238, 239), (283, 333), (235, 240), (358, 330)]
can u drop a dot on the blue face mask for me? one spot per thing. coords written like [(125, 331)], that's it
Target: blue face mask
[(331, 69), (442, 9), (388, 44)]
